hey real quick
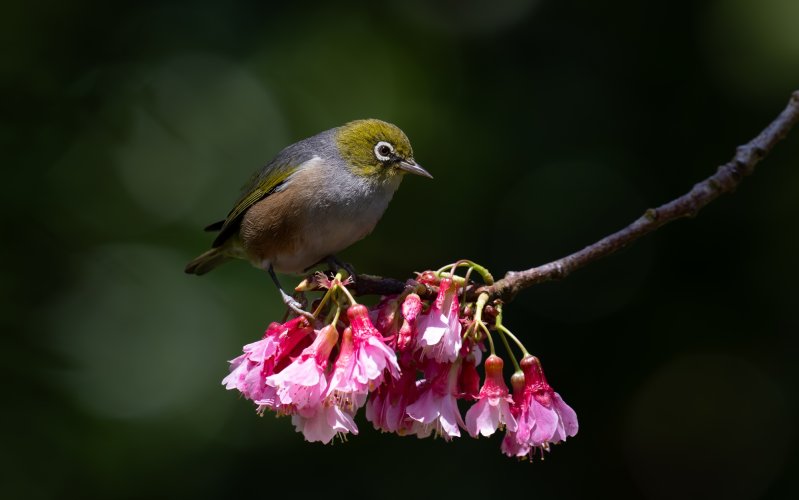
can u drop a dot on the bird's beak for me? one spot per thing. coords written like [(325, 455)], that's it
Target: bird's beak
[(412, 167)]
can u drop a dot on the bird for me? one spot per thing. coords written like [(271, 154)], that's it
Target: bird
[(317, 197)]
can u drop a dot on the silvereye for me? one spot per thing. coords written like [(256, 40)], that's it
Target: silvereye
[(314, 199)]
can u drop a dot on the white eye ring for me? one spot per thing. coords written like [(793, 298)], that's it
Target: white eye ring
[(380, 150)]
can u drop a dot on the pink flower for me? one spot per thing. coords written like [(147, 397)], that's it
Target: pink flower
[(387, 316), (387, 406), (371, 356), (324, 423), (436, 408), (249, 371), (344, 390), (246, 370), (543, 417), (512, 447), (469, 379), (493, 403), (411, 307), (302, 384), (440, 329)]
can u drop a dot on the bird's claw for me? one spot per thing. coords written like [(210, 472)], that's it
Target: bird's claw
[(295, 306)]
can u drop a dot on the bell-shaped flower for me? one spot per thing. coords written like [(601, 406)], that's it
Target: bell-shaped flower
[(387, 405), (439, 330), (249, 371), (411, 307), (303, 383), (469, 379), (543, 417), (343, 390), (492, 409), (371, 356), (386, 316), (512, 447), (436, 408), (323, 423)]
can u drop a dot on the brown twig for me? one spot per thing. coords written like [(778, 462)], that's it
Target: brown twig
[(725, 180), (366, 284)]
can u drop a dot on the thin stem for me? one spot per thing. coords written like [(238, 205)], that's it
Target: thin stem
[(504, 331), (346, 292), (454, 277), (481, 303), (507, 332), (478, 317), (488, 336), (330, 314), (327, 295), (338, 313), (467, 332), (451, 267), (510, 351), (466, 280), (486, 276)]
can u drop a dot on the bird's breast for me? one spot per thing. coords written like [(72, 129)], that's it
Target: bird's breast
[(316, 215)]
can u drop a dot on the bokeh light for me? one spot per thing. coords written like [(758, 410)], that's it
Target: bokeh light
[(173, 151), (138, 323), (754, 45), (706, 425)]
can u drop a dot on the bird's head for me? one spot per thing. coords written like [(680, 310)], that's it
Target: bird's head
[(377, 150)]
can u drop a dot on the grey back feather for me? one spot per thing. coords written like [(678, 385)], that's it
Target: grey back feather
[(284, 163)]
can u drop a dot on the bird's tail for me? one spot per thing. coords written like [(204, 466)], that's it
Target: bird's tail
[(207, 261)]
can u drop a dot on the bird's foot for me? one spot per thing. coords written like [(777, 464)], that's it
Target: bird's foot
[(335, 264), (295, 306)]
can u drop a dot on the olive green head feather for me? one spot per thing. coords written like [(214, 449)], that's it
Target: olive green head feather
[(374, 148)]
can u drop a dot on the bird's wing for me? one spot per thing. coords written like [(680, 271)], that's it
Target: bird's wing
[(261, 185), (214, 227)]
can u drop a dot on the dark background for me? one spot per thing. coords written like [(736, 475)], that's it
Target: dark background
[(546, 124)]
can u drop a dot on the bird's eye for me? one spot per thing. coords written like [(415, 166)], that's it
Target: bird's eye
[(383, 151)]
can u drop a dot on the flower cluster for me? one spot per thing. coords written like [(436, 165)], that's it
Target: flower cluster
[(410, 362)]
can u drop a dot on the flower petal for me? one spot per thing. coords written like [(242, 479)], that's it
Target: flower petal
[(546, 423)]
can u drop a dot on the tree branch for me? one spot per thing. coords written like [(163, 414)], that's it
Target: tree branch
[(725, 180)]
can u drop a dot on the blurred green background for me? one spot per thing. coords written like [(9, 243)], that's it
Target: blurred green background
[(128, 127)]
